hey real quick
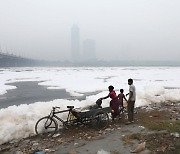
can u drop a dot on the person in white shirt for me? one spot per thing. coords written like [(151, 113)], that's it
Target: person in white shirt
[(131, 101)]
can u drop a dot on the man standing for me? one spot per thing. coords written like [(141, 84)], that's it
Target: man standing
[(131, 101)]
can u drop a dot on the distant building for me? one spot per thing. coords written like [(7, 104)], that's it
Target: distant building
[(75, 44), (89, 54)]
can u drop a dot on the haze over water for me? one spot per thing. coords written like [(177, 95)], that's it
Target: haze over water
[(122, 29)]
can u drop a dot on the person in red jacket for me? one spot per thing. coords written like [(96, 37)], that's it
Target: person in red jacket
[(114, 103)]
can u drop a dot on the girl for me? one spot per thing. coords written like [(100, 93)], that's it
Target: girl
[(114, 103)]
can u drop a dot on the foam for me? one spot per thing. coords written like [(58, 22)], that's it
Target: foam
[(18, 121)]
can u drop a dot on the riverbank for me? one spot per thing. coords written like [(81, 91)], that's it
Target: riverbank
[(158, 125)]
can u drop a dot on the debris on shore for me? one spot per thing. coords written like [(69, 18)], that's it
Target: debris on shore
[(158, 125)]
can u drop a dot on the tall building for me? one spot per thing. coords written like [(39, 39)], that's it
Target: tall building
[(75, 44), (89, 54)]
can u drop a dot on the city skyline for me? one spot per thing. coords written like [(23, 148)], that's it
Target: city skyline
[(81, 51), (122, 30)]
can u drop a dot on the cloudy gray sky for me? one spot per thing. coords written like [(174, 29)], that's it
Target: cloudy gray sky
[(122, 29)]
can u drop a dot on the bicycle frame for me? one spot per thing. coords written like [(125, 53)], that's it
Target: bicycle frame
[(54, 113)]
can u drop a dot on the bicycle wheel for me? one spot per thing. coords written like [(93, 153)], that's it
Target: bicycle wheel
[(100, 120), (46, 126)]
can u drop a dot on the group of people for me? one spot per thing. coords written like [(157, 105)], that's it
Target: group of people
[(116, 102)]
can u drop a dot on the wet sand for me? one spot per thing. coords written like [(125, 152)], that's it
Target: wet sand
[(30, 92), (111, 143)]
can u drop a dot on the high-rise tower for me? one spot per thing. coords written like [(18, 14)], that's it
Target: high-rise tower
[(75, 44), (89, 50)]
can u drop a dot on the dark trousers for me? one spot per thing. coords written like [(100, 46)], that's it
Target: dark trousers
[(130, 109)]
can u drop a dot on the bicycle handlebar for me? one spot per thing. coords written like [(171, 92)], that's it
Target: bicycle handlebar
[(56, 107)]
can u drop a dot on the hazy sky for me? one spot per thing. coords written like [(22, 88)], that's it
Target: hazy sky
[(122, 29)]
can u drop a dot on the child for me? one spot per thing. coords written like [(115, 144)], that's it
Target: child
[(121, 96)]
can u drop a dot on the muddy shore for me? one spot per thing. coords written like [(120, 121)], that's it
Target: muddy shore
[(156, 125)]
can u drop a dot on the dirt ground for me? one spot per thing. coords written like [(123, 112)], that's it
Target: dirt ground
[(156, 125)]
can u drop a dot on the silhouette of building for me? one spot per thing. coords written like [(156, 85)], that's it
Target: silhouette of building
[(75, 44), (89, 54)]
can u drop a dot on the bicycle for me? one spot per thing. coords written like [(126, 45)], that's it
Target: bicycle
[(49, 125)]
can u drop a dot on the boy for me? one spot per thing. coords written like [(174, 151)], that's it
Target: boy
[(121, 96)]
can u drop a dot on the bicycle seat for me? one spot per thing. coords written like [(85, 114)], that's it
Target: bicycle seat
[(70, 107)]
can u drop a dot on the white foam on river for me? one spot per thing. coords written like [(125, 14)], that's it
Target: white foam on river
[(153, 85)]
